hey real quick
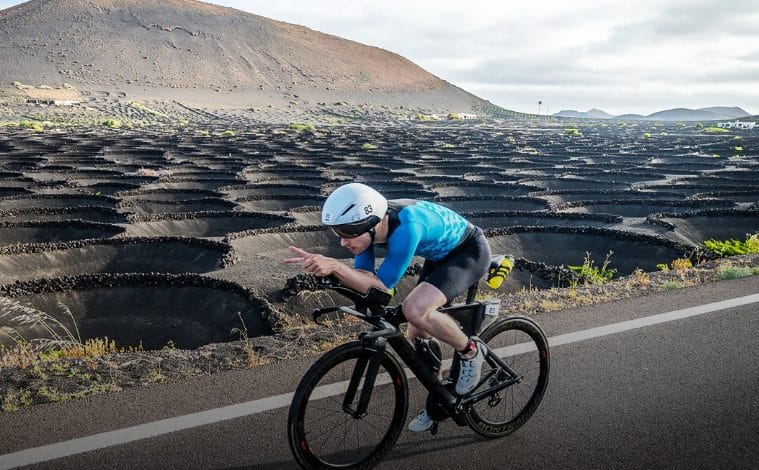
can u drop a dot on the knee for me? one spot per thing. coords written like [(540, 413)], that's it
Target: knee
[(415, 312)]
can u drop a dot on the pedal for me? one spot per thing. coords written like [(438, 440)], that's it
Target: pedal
[(433, 429), (500, 267)]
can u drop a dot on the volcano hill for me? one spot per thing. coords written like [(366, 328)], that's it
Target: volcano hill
[(204, 55)]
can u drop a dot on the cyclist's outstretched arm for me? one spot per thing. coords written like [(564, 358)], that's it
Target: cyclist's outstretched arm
[(320, 265)]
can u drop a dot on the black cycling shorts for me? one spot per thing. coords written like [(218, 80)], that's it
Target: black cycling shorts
[(463, 267)]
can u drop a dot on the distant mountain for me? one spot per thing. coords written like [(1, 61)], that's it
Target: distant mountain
[(598, 114), (590, 114), (570, 113), (703, 114), (716, 113), (207, 55), (734, 112), (630, 117)]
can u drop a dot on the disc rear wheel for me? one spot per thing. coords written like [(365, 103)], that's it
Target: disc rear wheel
[(521, 344)]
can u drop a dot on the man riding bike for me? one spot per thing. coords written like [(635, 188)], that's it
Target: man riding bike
[(456, 256)]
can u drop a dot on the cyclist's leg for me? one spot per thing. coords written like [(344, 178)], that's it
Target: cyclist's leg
[(420, 308), (440, 282), (427, 268)]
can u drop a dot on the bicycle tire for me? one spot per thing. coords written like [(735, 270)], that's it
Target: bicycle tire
[(322, 434), (520, 343)]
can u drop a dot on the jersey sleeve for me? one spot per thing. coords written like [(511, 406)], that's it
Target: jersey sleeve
[(402, 246), (365, 260)]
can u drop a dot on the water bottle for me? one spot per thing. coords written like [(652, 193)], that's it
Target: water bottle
[(430, 352), (499, 269)]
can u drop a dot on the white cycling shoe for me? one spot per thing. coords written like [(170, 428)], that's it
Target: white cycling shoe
[(421, 423), (470, 372)]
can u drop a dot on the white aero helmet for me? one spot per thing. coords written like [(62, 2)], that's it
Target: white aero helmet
[(353, 209)]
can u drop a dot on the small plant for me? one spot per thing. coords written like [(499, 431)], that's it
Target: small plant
[(734, 247), (641, 278), (681, 264), (447, 146), (301, 127), (647, 135), (572, 132), (671, 285), (253, 358), (663, 267), (735, 272), (368, 146), (33, 125), (454, 116), (715, 130), (112, 123), (228, 133), (589, 273)]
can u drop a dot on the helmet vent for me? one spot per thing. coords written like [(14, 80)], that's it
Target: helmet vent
[(347, 209)]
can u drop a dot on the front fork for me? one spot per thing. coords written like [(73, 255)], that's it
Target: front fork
[(366, 367)]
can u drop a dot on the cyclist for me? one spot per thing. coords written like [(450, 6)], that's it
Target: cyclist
[(456, 256)]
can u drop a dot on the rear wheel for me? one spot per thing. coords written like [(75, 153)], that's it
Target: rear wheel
[(322, 431), (521, 344)]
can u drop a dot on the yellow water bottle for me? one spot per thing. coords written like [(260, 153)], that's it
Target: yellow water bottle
[(500, 267)]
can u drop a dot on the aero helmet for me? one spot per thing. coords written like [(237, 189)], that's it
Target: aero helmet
[(353, 209)]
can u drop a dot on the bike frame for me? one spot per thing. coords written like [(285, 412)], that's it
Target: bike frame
[(385, 333)]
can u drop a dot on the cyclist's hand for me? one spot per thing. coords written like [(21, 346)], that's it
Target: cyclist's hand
[(318, 265)]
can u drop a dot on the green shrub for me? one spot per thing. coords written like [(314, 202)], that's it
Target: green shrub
[(646, 135), (572, 132), (671, 285), (112, 123), (454, 116), (715, 130), (301, 127), (368, 146), (228, 133), (588, 273), (33, 125), (734, 247), (735, 272)]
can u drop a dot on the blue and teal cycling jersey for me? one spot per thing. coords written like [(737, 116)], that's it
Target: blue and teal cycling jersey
[(417, 228)]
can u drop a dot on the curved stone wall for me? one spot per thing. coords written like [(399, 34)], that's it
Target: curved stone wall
[(55, 231), (188, 311)]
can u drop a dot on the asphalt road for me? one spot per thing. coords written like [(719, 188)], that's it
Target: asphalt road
[(682, 393)]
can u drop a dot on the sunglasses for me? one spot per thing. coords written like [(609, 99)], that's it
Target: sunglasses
[(355, 229), (345, 231)]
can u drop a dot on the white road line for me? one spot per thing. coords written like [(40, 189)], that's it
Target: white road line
[(166, 426)]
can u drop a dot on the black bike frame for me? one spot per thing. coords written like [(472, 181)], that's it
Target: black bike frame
[(385, 333)]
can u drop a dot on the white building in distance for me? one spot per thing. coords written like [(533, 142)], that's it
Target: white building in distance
[(737, 124)]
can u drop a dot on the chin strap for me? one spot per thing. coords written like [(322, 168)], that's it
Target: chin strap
[(372, 234)]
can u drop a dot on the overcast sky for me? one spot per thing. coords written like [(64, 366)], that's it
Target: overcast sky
[(621, 57)]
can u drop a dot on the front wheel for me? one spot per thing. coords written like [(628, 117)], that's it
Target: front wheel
[(322, 429), (521, 344)]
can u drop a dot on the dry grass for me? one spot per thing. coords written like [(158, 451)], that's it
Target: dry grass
[(53, 339)]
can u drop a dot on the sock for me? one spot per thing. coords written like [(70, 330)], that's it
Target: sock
[(469, 351)]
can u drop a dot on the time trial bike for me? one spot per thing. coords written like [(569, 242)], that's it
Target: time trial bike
[(352, 404)]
